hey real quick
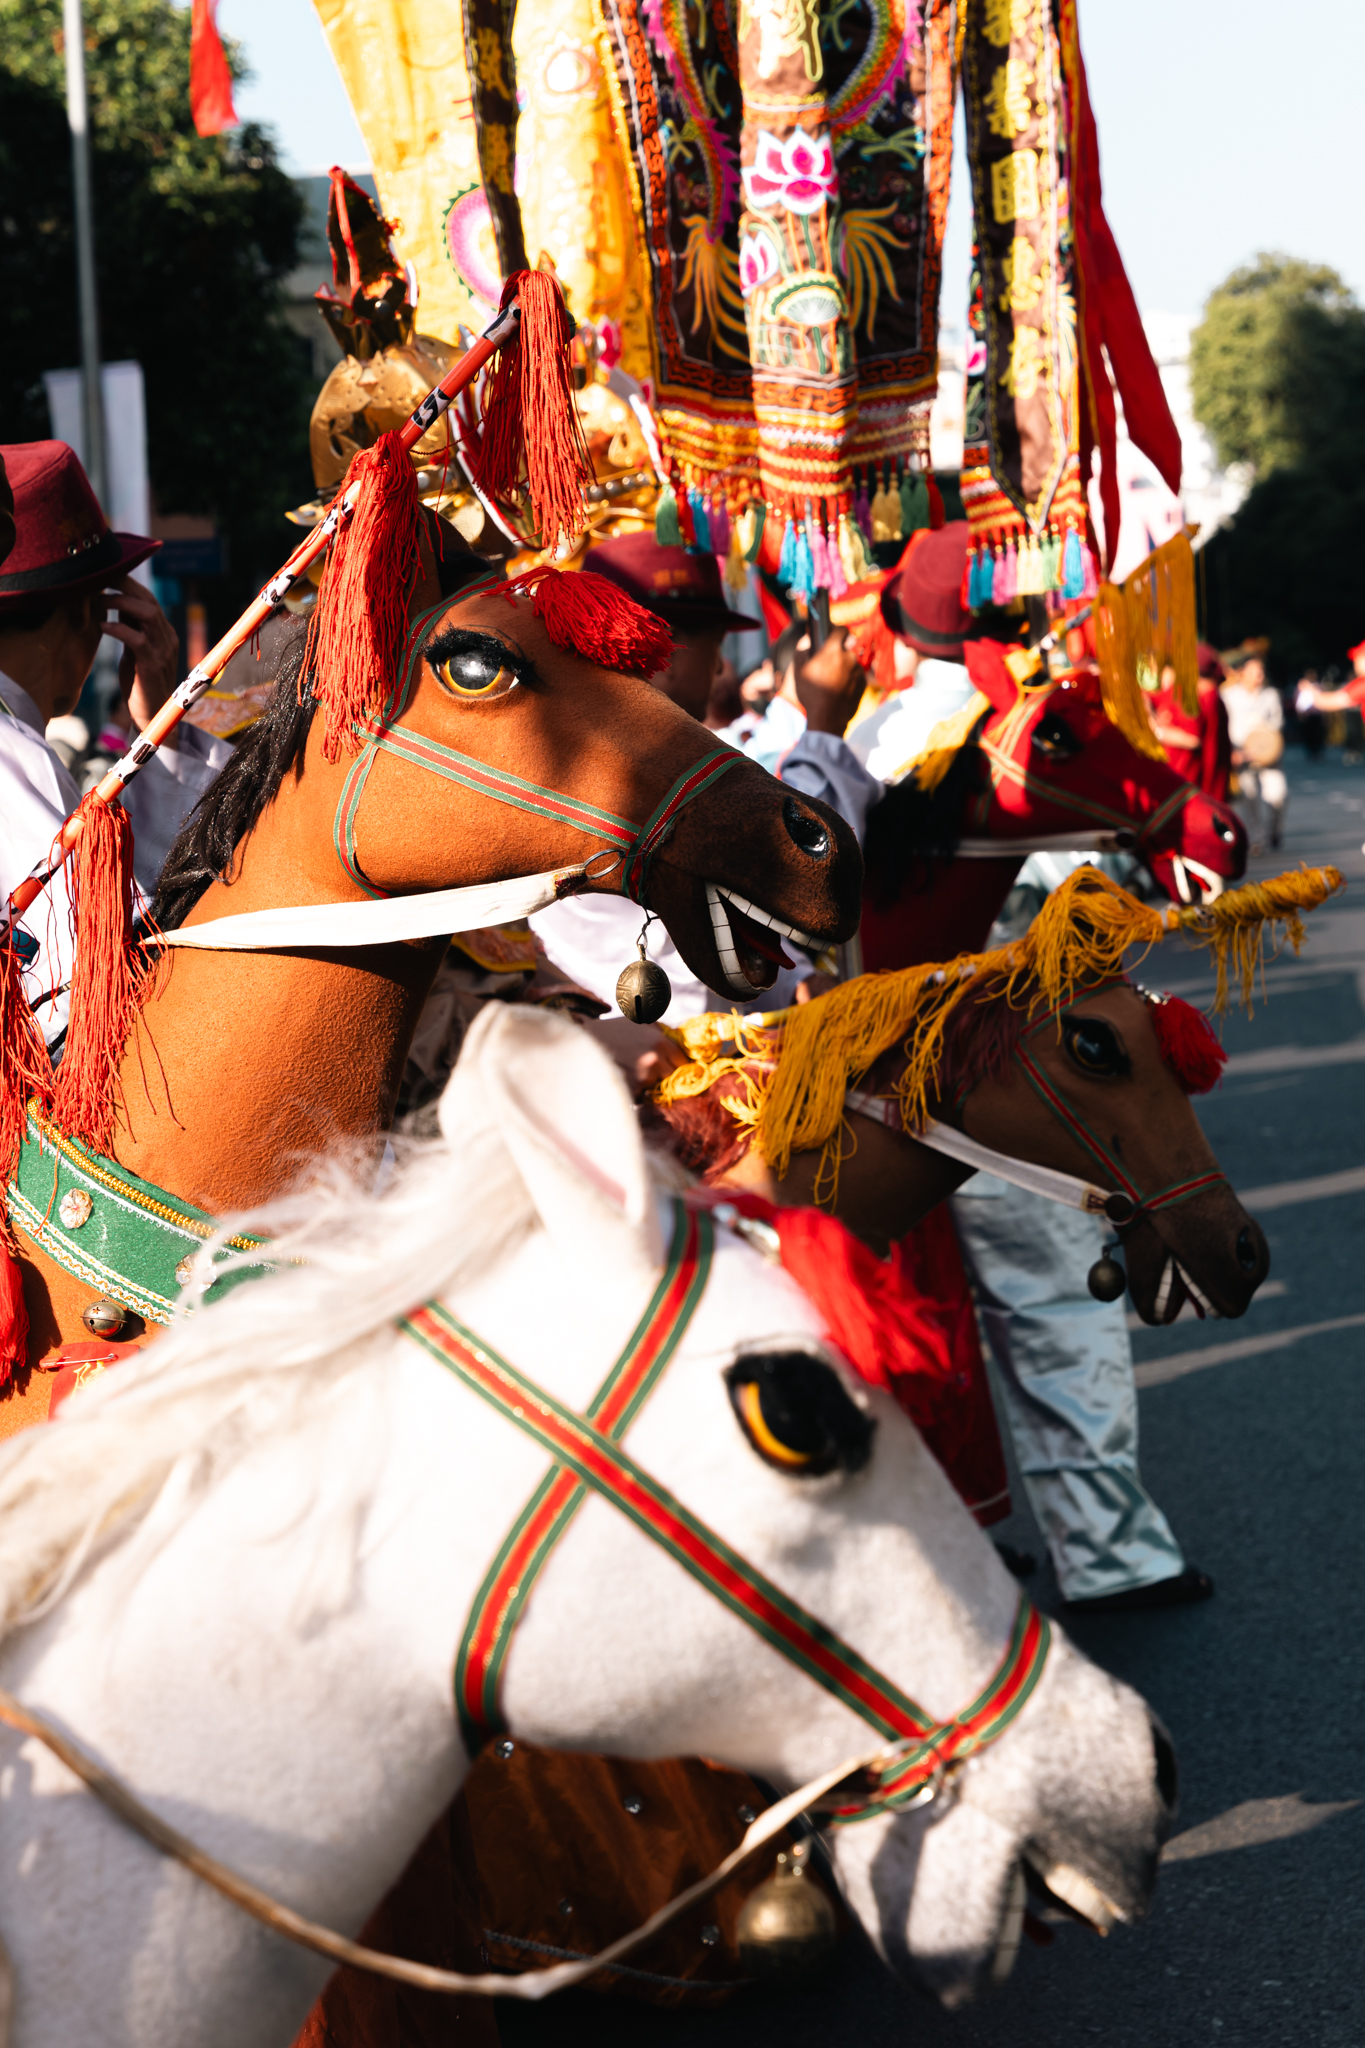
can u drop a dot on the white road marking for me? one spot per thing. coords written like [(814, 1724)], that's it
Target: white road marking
[(1284, 1194), (1253, 1822), (1158, 1372)]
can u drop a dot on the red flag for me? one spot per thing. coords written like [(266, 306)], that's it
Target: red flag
[(1109, 321), (210, 79)]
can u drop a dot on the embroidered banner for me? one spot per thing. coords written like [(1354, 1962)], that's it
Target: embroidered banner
[(678, 107), (1021, 481)]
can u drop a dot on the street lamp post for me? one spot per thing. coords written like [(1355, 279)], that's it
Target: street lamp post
[(73, 29)]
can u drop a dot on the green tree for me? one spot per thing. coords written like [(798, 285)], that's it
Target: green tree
[(194, 237), (1277, 366), (1277, 372)]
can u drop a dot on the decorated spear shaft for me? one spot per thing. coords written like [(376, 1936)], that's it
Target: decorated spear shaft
[(200, 678)]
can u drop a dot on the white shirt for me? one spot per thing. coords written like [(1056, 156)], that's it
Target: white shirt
[(897, 730), (37, 794), (591, 938), (1251, 711)]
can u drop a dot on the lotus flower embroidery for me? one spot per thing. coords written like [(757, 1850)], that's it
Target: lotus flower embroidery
[(757, 262), (798, 173)]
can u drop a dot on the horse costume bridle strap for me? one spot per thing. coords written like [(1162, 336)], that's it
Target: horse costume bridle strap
[(924, 1747), (1090, 1141), (634, 847), (1121, 1205), (1046, 1181), (507, 1587)]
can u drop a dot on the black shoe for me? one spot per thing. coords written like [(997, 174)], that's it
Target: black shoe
[(1017, 1563), (1181, 1591)]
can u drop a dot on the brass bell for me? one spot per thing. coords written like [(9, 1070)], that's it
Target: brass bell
[(643, 991), (1106, 1278), (104, 1318), (786, 1929)]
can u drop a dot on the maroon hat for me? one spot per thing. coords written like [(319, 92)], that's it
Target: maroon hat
[(683, 590), (6, 513), (922, 601), (62, 542)]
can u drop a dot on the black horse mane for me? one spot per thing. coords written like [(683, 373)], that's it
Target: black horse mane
[(272, 749), (911, 831)]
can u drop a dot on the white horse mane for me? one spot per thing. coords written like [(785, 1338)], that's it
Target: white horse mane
[(159, 1431)]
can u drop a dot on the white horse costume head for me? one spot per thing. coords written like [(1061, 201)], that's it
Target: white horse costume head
[(238, 1570)]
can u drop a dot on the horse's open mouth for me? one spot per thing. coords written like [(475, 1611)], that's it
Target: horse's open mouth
[(749, 941)]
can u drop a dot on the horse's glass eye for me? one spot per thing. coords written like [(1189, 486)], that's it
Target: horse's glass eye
[(1055, 740), (749, 1402), (796, 1415), (475, 673), (1094, 1046)]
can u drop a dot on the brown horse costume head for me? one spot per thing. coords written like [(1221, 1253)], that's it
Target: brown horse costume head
[(1044, 1051), (502, 753)]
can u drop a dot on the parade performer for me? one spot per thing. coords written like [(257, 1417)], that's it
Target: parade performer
[(64, 575), (1256, 729), (1351, 695), (1197, 743)]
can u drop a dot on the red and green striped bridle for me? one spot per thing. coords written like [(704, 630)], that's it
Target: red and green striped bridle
[(1128, 1201), (587, 1454), (628, 846)]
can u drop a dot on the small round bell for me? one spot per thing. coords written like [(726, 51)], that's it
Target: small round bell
[(1106, 1278), (104, 1318), (643, 991), (786, 1929)]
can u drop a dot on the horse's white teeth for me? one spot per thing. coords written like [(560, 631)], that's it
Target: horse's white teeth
[(736, 980), (1163, 1293), (774, 924), (1196, 1295)]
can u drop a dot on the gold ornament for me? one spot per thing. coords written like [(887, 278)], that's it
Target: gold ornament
[(787, 1929), (104, 1318)]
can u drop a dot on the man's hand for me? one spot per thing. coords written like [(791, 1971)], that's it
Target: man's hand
[(830, 684), (149, 666)]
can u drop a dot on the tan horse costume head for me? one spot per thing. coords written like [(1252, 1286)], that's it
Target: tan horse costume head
[(504, 752)]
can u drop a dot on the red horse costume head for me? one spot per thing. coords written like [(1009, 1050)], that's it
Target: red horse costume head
[(1039, 761)]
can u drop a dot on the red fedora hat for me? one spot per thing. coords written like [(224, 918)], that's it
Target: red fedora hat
[(922, 601), (62, 542), (683, 590)]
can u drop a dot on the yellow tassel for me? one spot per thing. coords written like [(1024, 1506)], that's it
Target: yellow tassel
[(1124, 703), (736, 568), (943, 745), (1233, 925), (1142, 625), (797, 1064)]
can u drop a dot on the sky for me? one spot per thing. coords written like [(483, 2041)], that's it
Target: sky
[(1226, 126)]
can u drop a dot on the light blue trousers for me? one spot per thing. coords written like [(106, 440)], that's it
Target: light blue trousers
[(1067, 1368)]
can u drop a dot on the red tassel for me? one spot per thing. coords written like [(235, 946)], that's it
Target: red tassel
[(530, 421), (108, 981), (588, 616), (937, 515), (25, 1069), (1188, 1044), (356, 634), (13, 1314)]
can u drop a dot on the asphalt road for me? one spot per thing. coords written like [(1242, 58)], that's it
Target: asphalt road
[(1253, 1441)]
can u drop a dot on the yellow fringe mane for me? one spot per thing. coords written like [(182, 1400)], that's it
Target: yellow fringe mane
[(795, 1065)]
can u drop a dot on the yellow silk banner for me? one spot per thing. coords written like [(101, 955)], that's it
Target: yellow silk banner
[(403, 65)]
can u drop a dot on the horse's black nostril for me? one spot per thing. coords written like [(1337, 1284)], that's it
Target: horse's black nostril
[(1167, 1770), (807, 831), (1248, 1252)]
